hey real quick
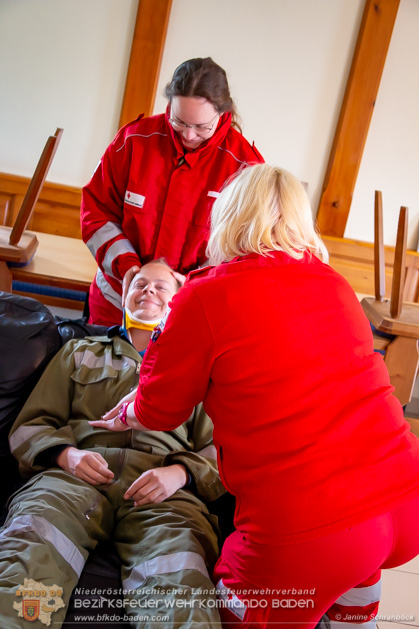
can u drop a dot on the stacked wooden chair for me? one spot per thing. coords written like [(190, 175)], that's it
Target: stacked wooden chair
[(396, 322), (16, 245)]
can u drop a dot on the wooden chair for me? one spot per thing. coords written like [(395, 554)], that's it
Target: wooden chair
[(392, 316), (16, 245)]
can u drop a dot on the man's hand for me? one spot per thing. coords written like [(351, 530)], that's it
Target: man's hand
[(127, 281), (89, 466), (158, 484)]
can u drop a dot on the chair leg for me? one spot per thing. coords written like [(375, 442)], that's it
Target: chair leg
[(402, 359), (5, 277), (86, 309), (379, 266)]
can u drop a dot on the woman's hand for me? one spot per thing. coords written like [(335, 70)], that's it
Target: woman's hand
[(130, 397), (115, 422), (157, 484), (89, 466), (179, 277), (128, 277)]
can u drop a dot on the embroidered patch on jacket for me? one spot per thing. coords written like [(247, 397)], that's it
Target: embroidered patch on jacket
[(132, 198)]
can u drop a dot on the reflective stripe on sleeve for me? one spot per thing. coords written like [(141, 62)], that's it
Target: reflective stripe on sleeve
[(22, 434), (107, 291), (164, 564), (209, 452), (103, 235), (90, 360), (47, 531), (117, 249)]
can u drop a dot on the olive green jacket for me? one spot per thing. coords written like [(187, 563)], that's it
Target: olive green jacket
[(84, 380)]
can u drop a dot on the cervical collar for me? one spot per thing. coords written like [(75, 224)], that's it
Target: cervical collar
[(130, 321)]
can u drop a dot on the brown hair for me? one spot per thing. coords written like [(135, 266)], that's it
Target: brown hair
[(204, 78)]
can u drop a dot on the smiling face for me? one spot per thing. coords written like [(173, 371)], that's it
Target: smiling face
[(150, 291), (199, 116)]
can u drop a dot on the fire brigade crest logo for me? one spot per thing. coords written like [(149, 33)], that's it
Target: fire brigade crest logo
[(30, 609), (36, 601)]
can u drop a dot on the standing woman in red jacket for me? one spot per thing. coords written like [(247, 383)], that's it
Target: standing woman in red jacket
[(311, 440), (152, 192)]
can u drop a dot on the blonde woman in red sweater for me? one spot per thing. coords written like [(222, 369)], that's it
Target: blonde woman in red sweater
[(311, 440)]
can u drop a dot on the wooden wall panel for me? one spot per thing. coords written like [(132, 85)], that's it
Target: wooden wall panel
[(56, 212), (54, 218), (354, 260), (4, 209)]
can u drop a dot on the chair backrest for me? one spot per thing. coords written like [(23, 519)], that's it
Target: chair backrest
[(399, 266), (35, 187)]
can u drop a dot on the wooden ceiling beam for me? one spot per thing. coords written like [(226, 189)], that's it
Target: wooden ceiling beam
[(358, 104), (145, 60)]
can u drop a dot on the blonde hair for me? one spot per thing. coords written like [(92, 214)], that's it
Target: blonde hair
[(263, 209)]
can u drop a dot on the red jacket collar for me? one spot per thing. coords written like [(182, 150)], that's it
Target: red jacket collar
[(191, 157)]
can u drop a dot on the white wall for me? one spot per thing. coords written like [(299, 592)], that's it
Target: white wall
[(63, 64), (287, 63), (390, 162)]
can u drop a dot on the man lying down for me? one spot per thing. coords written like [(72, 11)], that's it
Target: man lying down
[(144, 490)]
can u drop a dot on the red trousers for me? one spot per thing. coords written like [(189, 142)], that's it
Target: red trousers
[(295, 585)]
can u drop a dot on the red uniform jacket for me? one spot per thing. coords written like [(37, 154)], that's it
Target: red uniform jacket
[(149, 198), (309, 436)]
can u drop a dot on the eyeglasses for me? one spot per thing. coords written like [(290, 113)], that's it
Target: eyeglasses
[(200, 129)]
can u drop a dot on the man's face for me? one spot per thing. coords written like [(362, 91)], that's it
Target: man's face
[(150, 292)]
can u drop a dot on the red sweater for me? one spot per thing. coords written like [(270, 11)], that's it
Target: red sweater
[(148, 198), (309, 436)]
